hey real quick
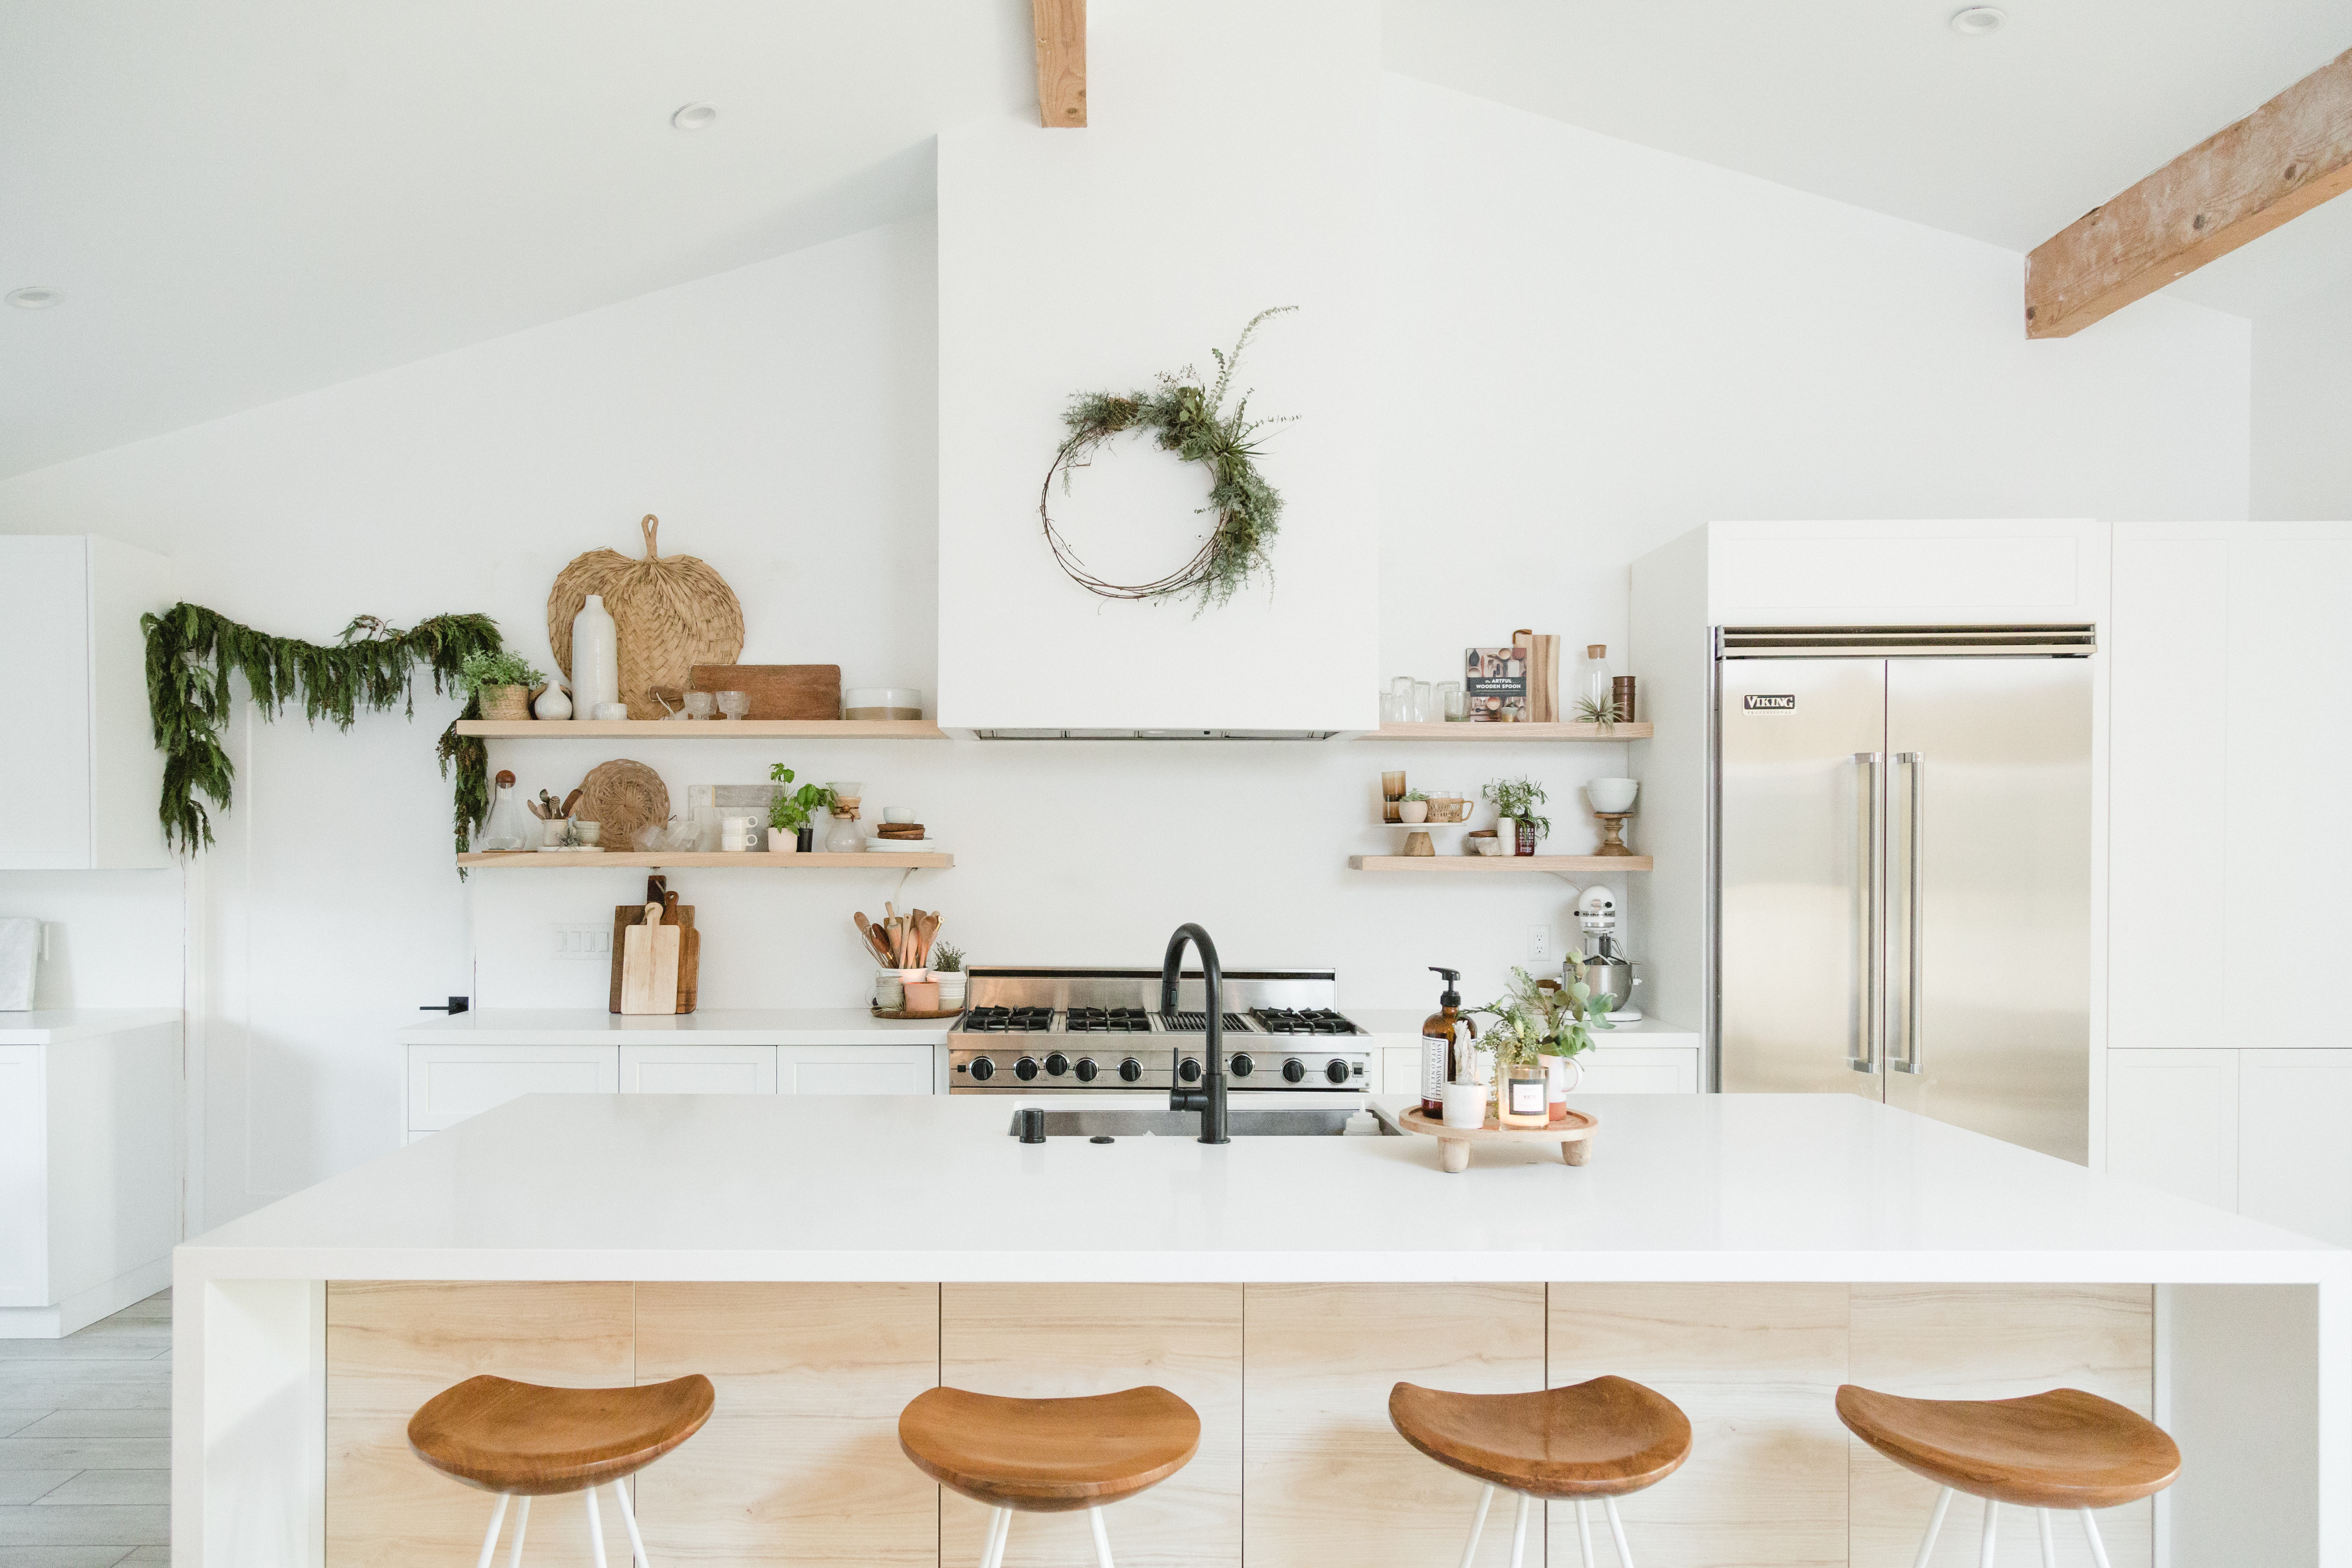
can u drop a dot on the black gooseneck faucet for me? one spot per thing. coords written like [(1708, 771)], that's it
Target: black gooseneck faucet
[(1208, 1099)]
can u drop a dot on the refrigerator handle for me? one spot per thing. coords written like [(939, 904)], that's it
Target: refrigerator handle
[(1914, 886), (1873, 931)]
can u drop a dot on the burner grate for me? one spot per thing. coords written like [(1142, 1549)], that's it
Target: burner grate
[(1107, 1021), (1302, 1021), (1198, 1023), (1009, 1020)]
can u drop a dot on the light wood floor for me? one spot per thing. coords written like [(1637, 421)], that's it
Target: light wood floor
[(86, 1445)]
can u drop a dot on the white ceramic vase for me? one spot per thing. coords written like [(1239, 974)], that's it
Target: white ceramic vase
[(553, 702), (595, 658)]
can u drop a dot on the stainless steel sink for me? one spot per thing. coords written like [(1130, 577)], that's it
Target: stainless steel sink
[(1111, 1122)]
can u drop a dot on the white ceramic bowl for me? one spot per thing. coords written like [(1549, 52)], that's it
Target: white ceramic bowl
[(1611, 795)]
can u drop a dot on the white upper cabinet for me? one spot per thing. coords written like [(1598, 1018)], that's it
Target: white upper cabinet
[(83, 778)]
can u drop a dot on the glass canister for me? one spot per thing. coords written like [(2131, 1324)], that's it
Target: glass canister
[(508, 826)]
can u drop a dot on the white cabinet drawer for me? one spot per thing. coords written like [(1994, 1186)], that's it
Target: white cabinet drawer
[(1640, 1069), (697, 1070), (448, 1083), (2294, 1164), (2172, 1122), (855, 1069)]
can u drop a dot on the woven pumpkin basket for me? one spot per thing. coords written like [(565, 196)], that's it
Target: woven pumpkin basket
[(671, 614)]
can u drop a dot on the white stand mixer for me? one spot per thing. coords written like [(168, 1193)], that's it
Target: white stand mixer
[(1605, 968)]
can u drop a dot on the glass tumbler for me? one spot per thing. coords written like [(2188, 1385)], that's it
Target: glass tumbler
[(1450, 698), (734, 704), (1424, 703)]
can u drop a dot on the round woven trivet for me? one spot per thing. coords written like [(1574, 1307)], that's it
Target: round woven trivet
[(671, 614), (623, 795)]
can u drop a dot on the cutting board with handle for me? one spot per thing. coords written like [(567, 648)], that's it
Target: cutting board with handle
[(777, 690), (649, 965), (628, 917)]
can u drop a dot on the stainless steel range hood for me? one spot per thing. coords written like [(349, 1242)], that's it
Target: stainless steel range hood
[(1154, 734)]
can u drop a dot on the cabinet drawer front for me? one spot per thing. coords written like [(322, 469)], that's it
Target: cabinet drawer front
[(699, 1077), (853, 1069), (1640, 1070), (448, 1084), (24, 1179)]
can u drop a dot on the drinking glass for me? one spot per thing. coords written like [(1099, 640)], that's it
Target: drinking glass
[(699, 704), (734, 704), (1424, 703), (1449, 697)]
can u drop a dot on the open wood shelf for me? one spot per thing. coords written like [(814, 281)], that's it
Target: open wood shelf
[(757, 859), (1474, 731), (702, 729), (1473, 865)]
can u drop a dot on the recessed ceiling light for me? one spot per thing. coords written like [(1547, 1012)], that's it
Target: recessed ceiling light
[(695, 116), (1978, 20), (36, 298)]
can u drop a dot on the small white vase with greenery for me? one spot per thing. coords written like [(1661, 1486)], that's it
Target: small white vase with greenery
[(947, 968)]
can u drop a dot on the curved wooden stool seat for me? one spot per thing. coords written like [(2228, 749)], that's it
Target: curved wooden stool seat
[(526, 1440), (2065, 1449), (1048, 1456), (1604, 1439)]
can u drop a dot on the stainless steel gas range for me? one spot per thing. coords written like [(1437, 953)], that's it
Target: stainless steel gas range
[(1079, 1031)]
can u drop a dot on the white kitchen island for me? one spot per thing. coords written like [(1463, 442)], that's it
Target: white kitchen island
[(1746, 1254)]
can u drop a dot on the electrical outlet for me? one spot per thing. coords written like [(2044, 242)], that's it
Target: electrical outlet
[(587, 943), (1539, 944)]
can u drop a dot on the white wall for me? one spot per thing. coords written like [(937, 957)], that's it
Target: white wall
[(1585, 348), (2302, 407)]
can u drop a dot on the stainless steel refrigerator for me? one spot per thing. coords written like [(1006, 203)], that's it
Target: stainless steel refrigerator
[(1902, 898)]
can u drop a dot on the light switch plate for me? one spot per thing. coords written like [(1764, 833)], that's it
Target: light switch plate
[(588, 943)]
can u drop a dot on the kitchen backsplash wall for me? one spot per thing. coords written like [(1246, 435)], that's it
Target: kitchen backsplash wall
[(1650, 342)]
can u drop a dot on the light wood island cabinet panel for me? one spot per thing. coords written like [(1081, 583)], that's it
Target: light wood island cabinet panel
[(799, 1462), (1994, 1341), (392, 1346), (1756, 1368), (1053, 1340), (1326, 1479)]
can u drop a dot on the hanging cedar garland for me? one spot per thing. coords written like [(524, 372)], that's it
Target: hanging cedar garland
[(192, 652)]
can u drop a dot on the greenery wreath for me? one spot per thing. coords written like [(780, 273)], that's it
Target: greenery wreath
[(1187, 418)]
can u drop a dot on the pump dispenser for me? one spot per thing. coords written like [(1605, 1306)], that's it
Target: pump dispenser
[(1444, 1053)]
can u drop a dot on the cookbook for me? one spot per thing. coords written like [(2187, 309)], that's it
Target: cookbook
[(1495, 682)]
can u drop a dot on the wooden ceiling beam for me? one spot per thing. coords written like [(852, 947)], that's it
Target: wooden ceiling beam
[(2281, 161), (1061, 62)]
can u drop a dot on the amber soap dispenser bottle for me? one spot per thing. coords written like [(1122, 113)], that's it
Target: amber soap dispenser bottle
[(1442, 1056)]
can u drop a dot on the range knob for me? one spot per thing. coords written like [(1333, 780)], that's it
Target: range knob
[(1056, 1065), (1087, 1069), (1336, 1070), (1131, 1070), (1243, 1066), (982, 1068), (1190, 1071), (1025, 1068), (1294, 1071)]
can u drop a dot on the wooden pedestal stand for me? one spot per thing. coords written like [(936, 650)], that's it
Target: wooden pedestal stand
[(1574, 1136), (1612, 832)]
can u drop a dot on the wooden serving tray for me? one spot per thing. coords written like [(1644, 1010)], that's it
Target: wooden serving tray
[(941, 1012), (1573, 1134)]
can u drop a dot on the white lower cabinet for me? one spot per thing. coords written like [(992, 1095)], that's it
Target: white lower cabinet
[(1610, 1070), (2258, 1132), (853, 1069), (697, 1070), (448, 1083)]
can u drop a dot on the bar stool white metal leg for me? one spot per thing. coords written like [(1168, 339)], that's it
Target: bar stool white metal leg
[(629, 1518), (2091, 1531), (491, 1541), (1478, 1524), (2049, 1543), (1000, 1524), (1584, 1537), (1102, 1538), (522, 1521), (595, 1529), (1934, 1528)]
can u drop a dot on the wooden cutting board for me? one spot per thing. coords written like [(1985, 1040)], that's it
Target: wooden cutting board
[(649, 965), (777, 690), (689, 949)]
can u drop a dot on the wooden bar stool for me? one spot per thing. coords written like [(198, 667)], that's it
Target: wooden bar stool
[(2065, 1449), (1606, 1438), (519, 1439), (1048, 1456)]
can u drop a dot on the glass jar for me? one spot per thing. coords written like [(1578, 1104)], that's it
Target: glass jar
[(1452, 704), (1527, 1096)]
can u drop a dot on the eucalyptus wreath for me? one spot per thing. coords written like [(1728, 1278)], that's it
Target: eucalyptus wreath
[(1186, 416), (192, 651)]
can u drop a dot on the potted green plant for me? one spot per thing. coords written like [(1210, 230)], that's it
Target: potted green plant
[(1516, 799), (502, 680), (1413, 806), (1546, 1023), (789, 811), (947, 968)]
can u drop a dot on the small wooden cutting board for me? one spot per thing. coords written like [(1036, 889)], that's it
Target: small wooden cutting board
[(649, 965), (777, 690)]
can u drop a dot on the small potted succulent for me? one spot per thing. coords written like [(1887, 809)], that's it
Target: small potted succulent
[(947, 968), (503, 681), (791, 812), (1414, 807), (1516, 801)]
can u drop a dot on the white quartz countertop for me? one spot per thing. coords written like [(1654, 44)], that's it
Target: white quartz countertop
[(53, 1025), (711, 1026), (1679, 1187), (1643, 1032)]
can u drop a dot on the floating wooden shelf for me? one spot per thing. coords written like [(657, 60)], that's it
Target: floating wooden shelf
[(1474, 865), (757, 860), (702, 729), (1471, 732)]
